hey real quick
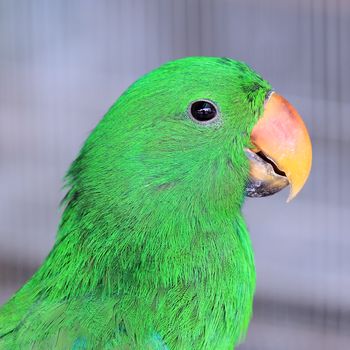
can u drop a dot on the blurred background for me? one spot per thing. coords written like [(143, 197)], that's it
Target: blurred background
[(63, 63)]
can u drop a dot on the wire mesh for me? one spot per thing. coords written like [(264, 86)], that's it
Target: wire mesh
[(63, 63)]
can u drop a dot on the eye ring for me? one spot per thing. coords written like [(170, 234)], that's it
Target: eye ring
[(203, 111)]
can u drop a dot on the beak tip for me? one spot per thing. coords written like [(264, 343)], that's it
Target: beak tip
[(294, 191)]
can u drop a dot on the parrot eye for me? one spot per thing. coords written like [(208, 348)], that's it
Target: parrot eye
[(203, 111)]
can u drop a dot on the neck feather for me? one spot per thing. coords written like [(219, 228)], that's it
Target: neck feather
[(110, 253)]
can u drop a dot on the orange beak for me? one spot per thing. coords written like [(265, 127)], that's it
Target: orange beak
[(282, 151)]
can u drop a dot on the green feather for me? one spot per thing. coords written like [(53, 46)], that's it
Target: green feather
[(152, 251)]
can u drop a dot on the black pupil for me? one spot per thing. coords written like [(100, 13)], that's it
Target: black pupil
[(203, 111)]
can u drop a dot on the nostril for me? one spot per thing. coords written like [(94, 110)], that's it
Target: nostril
[(268, 95)]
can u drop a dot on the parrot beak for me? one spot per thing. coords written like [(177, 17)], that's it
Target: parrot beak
[(282, 152)]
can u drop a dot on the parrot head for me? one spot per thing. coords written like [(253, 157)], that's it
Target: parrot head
[(201, 130)]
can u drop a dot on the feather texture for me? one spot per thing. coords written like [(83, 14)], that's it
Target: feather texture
[(152, 251)]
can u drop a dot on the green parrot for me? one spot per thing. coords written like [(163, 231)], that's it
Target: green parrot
[(152, 251)]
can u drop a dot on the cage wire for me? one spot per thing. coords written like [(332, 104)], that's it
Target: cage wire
[(63, 63)]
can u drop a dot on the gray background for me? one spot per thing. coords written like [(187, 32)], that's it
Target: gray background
[(63, 63)]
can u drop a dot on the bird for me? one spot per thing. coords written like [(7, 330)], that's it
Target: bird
[(152, 250)]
